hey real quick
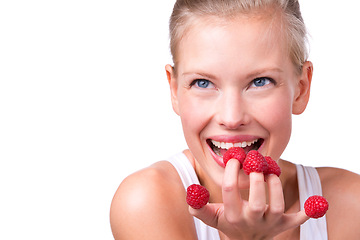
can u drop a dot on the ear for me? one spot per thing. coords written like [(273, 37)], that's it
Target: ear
[(170, 74), (302, 93)]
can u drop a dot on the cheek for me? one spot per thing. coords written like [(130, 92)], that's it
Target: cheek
[(281, 123), (195, 116), (276, 118), (279, 115), (275, 110)]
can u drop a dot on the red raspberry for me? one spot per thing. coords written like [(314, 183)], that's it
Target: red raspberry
[(316, 206), (273, 167), (254, 162), (234, 152), (197, 196)]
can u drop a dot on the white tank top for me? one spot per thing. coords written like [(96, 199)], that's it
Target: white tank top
[(309, 184)]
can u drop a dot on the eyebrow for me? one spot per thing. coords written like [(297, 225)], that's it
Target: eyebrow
[(265, 70), (201, 73), (248, 76)]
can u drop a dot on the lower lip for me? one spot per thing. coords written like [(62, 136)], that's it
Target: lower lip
[(217, 158)]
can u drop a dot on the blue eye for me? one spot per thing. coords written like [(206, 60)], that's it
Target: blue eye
[(202, 83), (260, 82)]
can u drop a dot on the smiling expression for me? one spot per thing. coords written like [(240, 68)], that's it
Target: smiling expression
[(234, 85)]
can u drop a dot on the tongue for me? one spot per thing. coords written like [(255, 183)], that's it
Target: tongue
[(223, 151), (249, 148)]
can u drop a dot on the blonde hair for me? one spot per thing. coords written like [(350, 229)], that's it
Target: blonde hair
[(186, 11)]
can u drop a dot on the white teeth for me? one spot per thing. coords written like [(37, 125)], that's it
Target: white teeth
[(229, 145), (225, 145)]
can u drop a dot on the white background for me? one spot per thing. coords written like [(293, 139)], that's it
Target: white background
[(84, 102)]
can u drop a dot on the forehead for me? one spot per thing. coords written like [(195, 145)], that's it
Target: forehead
[(243, 42)]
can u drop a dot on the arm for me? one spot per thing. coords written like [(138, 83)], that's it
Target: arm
[(150, 204), (342, 189)]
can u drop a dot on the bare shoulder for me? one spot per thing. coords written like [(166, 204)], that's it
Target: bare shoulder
[(335, 181), (341, 188), (150, 204)]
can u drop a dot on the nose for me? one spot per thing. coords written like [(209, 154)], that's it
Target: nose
[(233, 111)]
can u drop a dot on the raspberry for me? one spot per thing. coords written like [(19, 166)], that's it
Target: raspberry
[(234, 152), (316, 206), (273, 167), (197, 196), (254, 162)]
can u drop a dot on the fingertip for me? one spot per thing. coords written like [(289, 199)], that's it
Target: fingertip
[(230, 178), (295, 219), (273, 179), (208, 214), (301, 218), (199, 212), (270, 176), (191, 210), (233, 163), (257, 177)]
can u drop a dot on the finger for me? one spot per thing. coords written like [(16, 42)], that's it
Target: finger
[(230, 191), (276, 198), (293, 220), (209, 214), (257, 197)]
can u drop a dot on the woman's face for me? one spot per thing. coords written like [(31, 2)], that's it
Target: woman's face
[(235, 85)]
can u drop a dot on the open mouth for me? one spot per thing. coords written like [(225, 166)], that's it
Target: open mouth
[(219, 148)]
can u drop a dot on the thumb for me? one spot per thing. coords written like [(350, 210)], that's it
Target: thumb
[(209, 214)]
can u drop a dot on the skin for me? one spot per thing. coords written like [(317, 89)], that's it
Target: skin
[(229, 55)]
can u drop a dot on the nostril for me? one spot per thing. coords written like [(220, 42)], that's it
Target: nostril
[(233, 123), (232, 119)]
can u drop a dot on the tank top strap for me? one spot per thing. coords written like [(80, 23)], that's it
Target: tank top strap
[(185, 169), (188, 176), (309, 184)]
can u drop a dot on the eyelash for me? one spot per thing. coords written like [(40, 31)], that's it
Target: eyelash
[(262, 78), (198, 80), (251, 85)]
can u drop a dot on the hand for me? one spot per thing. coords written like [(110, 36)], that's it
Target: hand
[(252, 219)]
